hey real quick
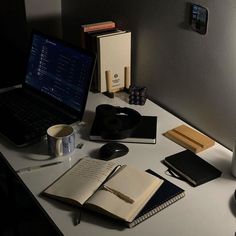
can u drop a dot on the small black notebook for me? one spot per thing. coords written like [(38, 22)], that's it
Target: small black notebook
[(145, 132), (192, 168), (166, 195)]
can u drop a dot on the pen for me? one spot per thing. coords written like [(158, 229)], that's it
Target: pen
[(37, 167), (77, 217), (119, 195)]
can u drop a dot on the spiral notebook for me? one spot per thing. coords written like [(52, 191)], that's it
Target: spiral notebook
[(166, 195)]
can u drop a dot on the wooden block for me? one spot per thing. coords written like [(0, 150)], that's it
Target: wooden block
[(108, 81), (110, 88), (190, 138), (127, 77)]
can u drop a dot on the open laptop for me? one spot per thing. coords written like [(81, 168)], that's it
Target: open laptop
[(55, 90)]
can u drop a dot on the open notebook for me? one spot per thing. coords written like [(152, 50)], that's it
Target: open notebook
[(55, 90)]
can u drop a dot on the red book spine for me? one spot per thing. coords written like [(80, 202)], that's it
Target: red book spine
[(98, 26)]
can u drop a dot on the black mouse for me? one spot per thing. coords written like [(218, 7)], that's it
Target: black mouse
[(112, 150)]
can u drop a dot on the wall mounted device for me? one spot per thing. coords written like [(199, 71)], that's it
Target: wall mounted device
[(199, 18)]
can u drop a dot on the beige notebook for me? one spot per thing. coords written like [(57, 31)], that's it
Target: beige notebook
[(114, 55), (105, 187)]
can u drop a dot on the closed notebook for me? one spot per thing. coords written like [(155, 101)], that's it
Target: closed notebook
[(192, 168), (166, 195), (145, 132)]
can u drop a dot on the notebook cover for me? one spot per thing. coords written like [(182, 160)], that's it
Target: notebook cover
[(192, 168), (144, 133), (114, 54), (166, 195)]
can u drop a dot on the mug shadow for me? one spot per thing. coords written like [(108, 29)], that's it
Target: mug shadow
[(83, 130), (35, 151), (39, 150)]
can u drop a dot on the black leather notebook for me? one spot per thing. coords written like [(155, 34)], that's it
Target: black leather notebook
[(145, 132), (192, 168)]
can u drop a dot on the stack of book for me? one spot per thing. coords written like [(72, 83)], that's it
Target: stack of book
[(105, 187), (113, 48)]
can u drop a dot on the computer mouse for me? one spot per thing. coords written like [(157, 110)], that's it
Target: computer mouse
[(112, 150)]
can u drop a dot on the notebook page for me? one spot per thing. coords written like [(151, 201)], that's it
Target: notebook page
[(82, 180), (139, 183)]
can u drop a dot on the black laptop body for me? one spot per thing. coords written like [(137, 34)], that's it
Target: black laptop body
[(55, 90)]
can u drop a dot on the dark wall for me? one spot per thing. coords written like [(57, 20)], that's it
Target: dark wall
[(13, 42), (44, 16), (192, 75)]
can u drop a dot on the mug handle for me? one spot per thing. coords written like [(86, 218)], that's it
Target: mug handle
[(59, 151)]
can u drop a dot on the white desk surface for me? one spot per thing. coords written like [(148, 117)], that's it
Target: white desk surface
[(207, 210)]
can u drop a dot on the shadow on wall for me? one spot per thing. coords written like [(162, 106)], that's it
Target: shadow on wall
[(48, 25), (185, 24)]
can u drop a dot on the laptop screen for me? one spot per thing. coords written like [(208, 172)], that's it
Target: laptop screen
[(60, 71)]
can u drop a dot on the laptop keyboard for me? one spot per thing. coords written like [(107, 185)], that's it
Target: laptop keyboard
[(31, 118)]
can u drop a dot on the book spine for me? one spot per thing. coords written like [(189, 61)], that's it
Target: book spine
[(99, 26), (155, 210)]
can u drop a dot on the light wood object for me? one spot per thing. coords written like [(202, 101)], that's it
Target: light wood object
[(127, 77), (190, 138), (108, 81)]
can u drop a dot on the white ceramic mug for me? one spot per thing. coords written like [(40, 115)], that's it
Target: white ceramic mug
[(61, 139)]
